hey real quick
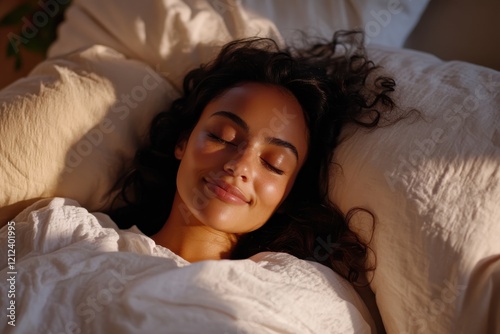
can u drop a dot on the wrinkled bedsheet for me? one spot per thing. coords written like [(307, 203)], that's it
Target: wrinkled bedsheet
[(75, 272)]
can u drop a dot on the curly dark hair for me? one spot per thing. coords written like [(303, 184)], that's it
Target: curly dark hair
[(334, 84)]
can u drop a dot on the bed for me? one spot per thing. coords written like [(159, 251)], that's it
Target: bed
[(68, 129)]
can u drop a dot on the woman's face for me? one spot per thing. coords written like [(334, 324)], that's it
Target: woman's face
[(242, 158)]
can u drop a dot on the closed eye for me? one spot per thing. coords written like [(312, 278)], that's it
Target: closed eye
[(219, 139), (271, 167), (266, 164)]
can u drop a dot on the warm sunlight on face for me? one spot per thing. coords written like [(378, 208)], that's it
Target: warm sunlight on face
[(242, 158)]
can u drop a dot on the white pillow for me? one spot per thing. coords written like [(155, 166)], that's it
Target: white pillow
[(69, 126), (434, 186), (173, 36), (386, 22)]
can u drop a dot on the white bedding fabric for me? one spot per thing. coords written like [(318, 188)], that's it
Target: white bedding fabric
[(77, 271), (175, 35), (434, 187), (69, 127), (386, 22)]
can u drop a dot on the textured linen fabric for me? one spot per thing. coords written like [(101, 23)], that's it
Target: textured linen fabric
[(81, 272), (433, 183)]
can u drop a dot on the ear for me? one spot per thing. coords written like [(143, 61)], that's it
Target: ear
[(180, 148)]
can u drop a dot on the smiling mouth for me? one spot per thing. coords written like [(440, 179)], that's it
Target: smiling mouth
[(226, 192)]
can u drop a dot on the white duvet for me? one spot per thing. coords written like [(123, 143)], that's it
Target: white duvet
[(75, 272)]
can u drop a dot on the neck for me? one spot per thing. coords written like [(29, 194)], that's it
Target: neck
[(192, 240)]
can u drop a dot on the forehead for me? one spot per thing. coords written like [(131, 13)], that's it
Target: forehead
[(267, 109), (260, 105)]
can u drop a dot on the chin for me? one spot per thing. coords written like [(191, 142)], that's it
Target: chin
[(228, 218), (231, 225)]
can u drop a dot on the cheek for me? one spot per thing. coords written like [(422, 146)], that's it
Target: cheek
[(201, 151), (271, 192), (203, 147), (199, 146), (196, 157)]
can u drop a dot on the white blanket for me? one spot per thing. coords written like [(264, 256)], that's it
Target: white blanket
[(75, 272)]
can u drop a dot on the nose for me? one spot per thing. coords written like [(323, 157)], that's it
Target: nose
[(241, 164)]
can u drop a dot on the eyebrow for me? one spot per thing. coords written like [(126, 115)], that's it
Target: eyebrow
[(283, 143), (233, 117), (271, 140)]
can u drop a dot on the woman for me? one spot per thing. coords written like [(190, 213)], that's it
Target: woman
[(239, 163)]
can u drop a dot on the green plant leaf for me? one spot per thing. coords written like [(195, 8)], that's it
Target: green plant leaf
[(15, 15), (11, 52), (19, 62), (36, 45), (45, 36)]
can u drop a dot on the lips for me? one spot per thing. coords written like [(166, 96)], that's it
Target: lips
[(226, 192)]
